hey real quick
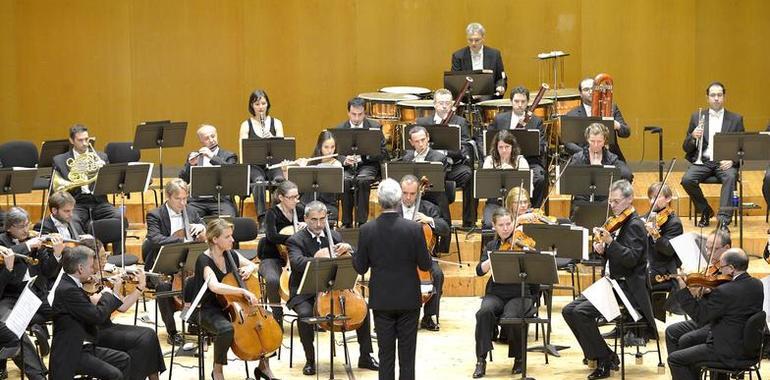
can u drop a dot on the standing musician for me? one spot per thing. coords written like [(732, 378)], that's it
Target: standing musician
[(476, 56), (504, 153), (624, 258), (174, 222), (584, 110), (286, 212), (596, 153), (213, 265), (88, 205), (393, 248), (305, 246), (725, 309), (699, 150), (261, 125), (427, 214), (662, 225), (360, 170), (325, 146), (210, 154), (420, 141), (460, 161), (514, 120), (500, 300)]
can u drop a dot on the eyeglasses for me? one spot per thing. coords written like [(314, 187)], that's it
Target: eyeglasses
[(21, 226), (724, 266), (475, 40), (292, 197)]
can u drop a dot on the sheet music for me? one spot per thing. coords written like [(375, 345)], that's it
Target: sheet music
[(23, 311), (585, 240), (625, 300), (149, 173), (52, 292), (766, 302), (197, 299), (600, 295), (686, 247)]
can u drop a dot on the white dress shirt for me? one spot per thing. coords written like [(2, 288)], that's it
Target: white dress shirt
[(478, 59), (715, 126), (515, 120), (177, 220), (62, 228), (206, 160)]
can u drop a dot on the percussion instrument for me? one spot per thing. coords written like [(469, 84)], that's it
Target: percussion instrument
[(422, 92), (490, 108), (411, 110), (382, 105)]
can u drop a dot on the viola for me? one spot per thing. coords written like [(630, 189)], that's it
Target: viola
[(698, 279), (661, 217), (519, 240)]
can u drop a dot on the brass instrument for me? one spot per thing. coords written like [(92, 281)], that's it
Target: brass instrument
[(701, 121), (83, 170), (601, 101)]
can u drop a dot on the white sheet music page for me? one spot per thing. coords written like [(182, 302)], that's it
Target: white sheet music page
[(52, 292), (625, 300), (23, 311), (600, 295), (766, 302), (197, 299), (686, 247)]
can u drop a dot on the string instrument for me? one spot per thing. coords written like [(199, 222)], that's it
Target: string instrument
[(535, 102), (7, 251), (453, 110), (283, 251), (698, 279), (96, 284), (614, 223), (347, 302), (540, 217), (520, 240), (425, 276), (47, 239), (256, 333), (661, 217)]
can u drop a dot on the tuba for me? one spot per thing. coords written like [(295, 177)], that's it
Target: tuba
[(601, 103), (83, 170)]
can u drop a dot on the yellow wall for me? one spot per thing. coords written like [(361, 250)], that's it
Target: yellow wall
[(112, 64)]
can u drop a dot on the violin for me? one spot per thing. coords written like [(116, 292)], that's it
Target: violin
[(540, 216), (519, 240), (613, 223), (698, 279), (27, 259), (661, 217)]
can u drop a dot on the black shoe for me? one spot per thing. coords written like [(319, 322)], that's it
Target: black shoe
[(724, 226), (368, 362), (614, 362), (612, 334), (631, 340), (428, 324), (469, 225), (175, 339), (3, 374), (602, 371), (481, 369), (516, 370), (41, 336), (308, 369), (705, 216), (258, 374)]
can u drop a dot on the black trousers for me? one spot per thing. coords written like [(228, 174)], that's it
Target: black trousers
[(216, 322), (103, 363), (492, 309), (685, 334), (433, 305), (580, 316), (270, 270), (209, 207), (100, 208), (462, 175), (259, 176), (538, 184), (140, 343), (33, 364), (166, 305), (305, 310), (697, 173), (396, 327), (360, 178), (685, 364)]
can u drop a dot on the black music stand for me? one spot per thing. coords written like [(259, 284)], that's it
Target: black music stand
[(741, 147), (441, 137), (495, 183), (573, 129), (562, 240), (528, 140), (483, 82), (317, 179), (433, 170), (523, 269), (268, 151), (590, 180), (160, 134), (16, 181), (220, 180), (123, 179), (360, 141), (324, 275), (51, 149), (589, 214)]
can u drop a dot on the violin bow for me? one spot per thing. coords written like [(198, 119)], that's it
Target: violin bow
[(516, 214), (550, 191), (660, 189)]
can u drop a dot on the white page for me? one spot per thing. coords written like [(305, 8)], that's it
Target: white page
[(686, 247), (600, 295), (23, 311), (52, 293), (625, 300), (766, 302), (197, 299), (584, 240)]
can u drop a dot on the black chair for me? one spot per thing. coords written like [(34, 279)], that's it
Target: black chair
[(712, 180), (124, 152), (245, 229), (753, 339), (107, 231), (24, 154)]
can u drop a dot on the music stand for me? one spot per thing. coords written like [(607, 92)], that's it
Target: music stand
[(317, 179), (51, 149), (324, 275), (16, 181), (360, 141), (160, 134), (268, 151), (433, 170), (528, 140), (123, 179), (741, 147), (573, 129), (220, 180), (441, 137), (523, 269), (483, 82), (564, 240), (171, 259), (591, 180), (495, 183), (588, 214)]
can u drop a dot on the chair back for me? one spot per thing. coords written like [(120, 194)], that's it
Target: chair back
[(107, 230), (122, 152), (19, 153), (753, 335), (244, 229)]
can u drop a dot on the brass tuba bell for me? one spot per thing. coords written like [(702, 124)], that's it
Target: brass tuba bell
[(83, 170)]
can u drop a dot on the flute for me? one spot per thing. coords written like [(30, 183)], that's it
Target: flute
[(290, 163)]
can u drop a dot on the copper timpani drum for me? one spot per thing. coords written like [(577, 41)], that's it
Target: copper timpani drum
[(422, 92), (411, 110), (566, 99), (490, 109), (381, 105)]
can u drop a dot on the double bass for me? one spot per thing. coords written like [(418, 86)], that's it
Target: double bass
[(426, 278)]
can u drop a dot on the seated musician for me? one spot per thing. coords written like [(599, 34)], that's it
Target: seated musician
[(174, 222), (88, 205), (214, 265), (75, 349), (500, 300), (725, 309), (261, 125), (514, 120), (766, 181), (460, 160), (325, 146), (477, 56), (360, 171), (305, 246), (210, 154), (272, 251), (622, 129), (596, 153), (504, 153), (697, 146), (61, 205), (624, 259), (428, 213), (422, 152), (662, 226)]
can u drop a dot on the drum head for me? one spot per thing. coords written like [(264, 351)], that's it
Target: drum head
[(406, 90), (386, 97), (424, 103), (562, 93)]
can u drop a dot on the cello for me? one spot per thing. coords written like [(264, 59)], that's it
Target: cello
[(426, 278)]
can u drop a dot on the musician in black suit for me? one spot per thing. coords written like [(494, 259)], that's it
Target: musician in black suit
[(422, 152), (459, 161), (726, 309), (98, 205), (61, 206), (75, 332), (174, 222), (305, 246), (624, 254), (660, 254), (360, 171), (427, 213), (477, 56), (393, 248), (596, 153), (210, 154), (514, 120), (704, 125)]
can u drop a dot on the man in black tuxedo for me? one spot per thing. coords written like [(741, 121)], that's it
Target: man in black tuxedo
[(624, 253), (428, 214), (514, 120), (305, 246), (75, 324), (174, 222), (622, 129), (393, 248), (477, 56), (98, 205), (61, 206), (360, 171), (459, 161), (704, 125), (210, 154), (422, 152), (726, 309)]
